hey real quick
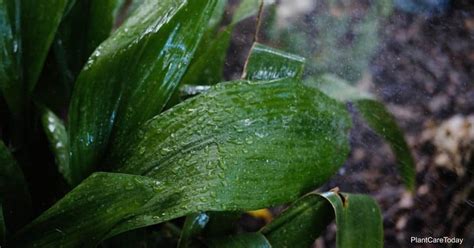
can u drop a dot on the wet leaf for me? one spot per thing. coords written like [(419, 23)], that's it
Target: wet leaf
[(58, 142), (96, 205), (241, 146), (266, 63), (246, 240), (14, 195), (376, 116), (131, 76), (39, 22), (11, 84)]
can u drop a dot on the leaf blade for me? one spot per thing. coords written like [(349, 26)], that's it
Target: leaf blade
[(129, 98), (58, 141), (204, 184), (266, 63), (11, 84)]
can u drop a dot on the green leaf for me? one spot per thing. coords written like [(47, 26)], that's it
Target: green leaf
[(131, 76), (376, 116), (358, 220), (301, 224), (14, 195), (58, 142), (241, 146), (246, 240), (235, 130), (266, 63), (193, 225), (87, 213), (39, 22), (10, 57), (383, 123)]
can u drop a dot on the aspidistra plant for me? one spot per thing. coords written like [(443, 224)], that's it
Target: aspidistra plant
[(265, 140)]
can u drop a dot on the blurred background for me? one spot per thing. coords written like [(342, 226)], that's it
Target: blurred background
[(417, 57)]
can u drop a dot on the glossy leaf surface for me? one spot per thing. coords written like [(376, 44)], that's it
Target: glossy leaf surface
[(266, 63), (39, 22), (14, 195), (376, 116), (88, 212), (131, 76), (58, 142), (11, 83), (241, 146)]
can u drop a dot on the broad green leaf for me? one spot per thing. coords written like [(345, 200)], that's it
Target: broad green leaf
[(266, 63), (131, 76), (87, 213), (246, 240), (241, 146), (358, 220), (301, 224), (3, 228), (193, 225), (376, 116), (39, 22), (58, 142), (11, 83), (245, 132), (383, 123), (14, 195)]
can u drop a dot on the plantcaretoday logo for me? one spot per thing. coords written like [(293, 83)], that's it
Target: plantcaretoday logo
[(434, 240)]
